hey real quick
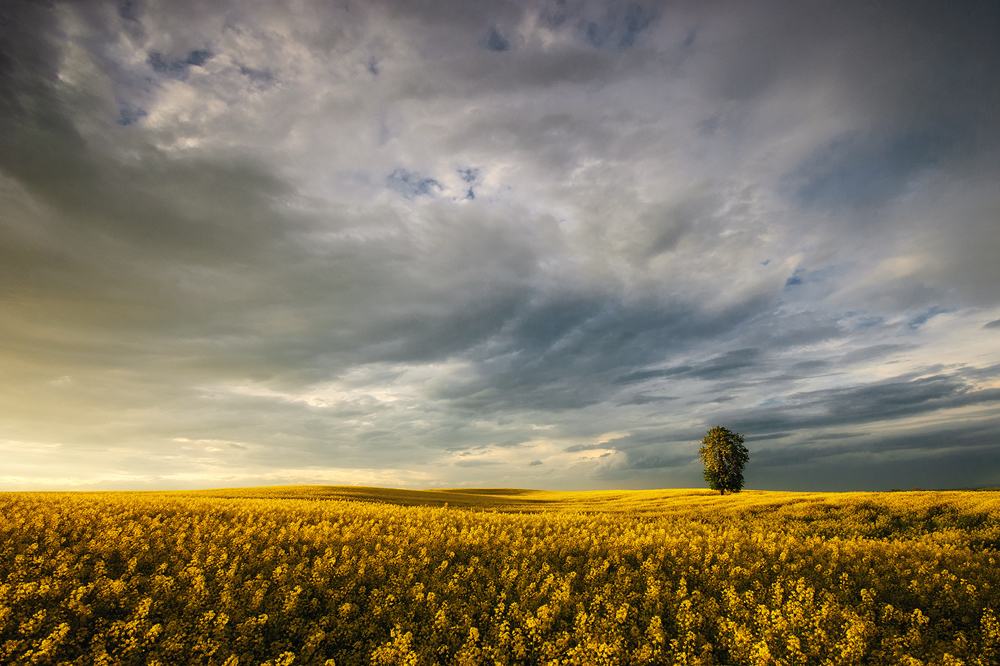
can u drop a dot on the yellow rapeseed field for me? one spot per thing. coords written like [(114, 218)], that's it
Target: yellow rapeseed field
[(351, 576)]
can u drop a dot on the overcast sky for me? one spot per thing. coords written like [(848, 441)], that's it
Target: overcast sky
[(530, 244)]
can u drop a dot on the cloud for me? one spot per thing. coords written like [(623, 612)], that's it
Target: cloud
[(893, 398), (939, 457), (872, 352), (860, 172), (731, 364), (384, 238)]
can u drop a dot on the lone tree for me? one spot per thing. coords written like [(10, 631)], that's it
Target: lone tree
[(724, 456)]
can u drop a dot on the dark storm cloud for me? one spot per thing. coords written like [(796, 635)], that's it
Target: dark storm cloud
[(979, 436), (727, 365), (194, 208), (837, 435), (445, 242), (644, 375), (773, 435), (563, 352), (919, 461), (872, 352), (649, 438), (651, 460), (645, 399), (730, 364), (879, 401)]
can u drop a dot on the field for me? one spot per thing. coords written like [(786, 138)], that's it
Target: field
[(350, 576)]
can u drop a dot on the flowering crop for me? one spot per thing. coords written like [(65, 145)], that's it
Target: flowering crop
[(304, 576)]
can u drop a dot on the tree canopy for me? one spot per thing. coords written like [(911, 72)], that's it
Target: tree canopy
[(724, 456)]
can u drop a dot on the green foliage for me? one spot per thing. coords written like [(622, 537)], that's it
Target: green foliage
[(724, 456)]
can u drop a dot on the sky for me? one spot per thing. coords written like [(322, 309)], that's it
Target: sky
[(524, 244)]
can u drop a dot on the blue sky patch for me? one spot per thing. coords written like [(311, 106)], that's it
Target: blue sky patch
[(636, 20), (179, 67), (619, 30), (410, 184), (925, 316), (496, 42), (129, 114), (129, 11)]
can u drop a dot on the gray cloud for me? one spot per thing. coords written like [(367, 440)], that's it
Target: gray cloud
[(861, 172), (947, 457), (878, 401), (304, 243)]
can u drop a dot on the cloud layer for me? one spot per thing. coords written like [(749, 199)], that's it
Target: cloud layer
[(521, 244)]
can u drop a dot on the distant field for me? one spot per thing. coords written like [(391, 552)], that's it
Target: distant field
[(349, 575)]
